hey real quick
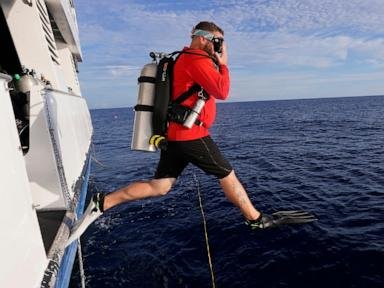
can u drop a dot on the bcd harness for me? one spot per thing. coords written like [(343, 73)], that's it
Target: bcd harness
[(165, 109), (179, 113)]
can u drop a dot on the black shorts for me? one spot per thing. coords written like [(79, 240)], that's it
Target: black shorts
[(202, 153)]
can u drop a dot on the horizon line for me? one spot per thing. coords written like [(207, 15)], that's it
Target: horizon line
[(248, 101)]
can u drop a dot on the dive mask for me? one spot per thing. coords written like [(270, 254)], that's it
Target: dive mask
[(216, 41)]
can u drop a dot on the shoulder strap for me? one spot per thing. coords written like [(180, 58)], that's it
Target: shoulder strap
[(184, 96), (191, 53), (193, 89)]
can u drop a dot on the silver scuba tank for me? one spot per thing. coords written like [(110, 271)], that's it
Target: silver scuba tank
[(142, 126), (195, 112), (25, 83)]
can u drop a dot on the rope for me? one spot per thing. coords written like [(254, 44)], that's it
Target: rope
[(94, 158), (81, 264), (205, 231)]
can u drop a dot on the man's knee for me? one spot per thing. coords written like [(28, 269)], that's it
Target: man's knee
[(162, 186), (229, 177)]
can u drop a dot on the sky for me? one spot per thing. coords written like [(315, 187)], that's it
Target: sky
[(278, 49)]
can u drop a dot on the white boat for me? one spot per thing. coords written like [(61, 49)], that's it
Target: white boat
[(46, 133)]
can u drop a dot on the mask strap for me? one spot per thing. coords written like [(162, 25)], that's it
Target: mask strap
[(207, 35)]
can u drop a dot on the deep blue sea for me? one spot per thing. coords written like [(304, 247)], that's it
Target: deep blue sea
[(320, 155)]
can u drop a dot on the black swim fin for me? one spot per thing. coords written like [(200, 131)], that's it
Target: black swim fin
[(281, 218)]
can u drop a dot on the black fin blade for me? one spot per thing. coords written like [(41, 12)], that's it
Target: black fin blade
[(293, 217)]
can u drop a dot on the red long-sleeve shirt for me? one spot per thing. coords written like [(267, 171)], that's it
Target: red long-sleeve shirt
[(193, 69)]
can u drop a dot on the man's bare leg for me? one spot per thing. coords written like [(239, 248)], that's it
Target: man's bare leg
[(139, 190), (236, 193), (134, 191)]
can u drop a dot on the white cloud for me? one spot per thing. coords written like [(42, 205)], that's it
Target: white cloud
[(137, 30), (122, 70), (304, 15), (294, 50), (280, 35)]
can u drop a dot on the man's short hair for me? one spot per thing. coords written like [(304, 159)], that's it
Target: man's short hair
[(208, 26)]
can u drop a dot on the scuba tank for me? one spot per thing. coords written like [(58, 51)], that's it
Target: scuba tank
[(154, 107), (26, 81), (151, 111), (20, 97), (24, 84), (142, 126)]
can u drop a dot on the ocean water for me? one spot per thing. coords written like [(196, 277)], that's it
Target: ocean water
[(321, 155)]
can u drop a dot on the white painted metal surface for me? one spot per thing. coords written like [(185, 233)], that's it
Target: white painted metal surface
[(71, 128), (22, 251), (65, 17), (69, 69), (31, 41), (40, 160), (60, 132), (70, 117)]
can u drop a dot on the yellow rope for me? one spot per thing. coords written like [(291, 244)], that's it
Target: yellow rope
[(205, 231)]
